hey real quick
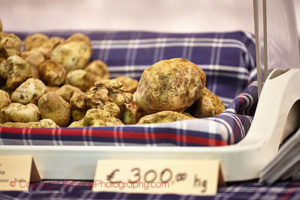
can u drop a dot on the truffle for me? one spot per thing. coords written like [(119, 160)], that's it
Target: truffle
[(208, 105), (163, 117), (173, 84)]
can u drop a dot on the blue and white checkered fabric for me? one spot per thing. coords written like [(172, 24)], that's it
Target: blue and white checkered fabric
[(52, 190), (228, 60)]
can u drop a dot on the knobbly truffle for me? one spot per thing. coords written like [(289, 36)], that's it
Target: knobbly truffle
[(163, 117), (15, 71), (81, 79), (52, 106), (82, 38), (41, 43), (129, 84), (108, 95), (78, 101), (97, 117), (173, 84), (72, 55), (48, 46), (16, 112), (67, 91), (10, 45), (99, 69), (35, 40), (52, 73), (44, 123), (208, 105), (29, 92)]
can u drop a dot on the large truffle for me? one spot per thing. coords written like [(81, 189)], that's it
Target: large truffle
[(163, 117), (208, 105), (172, 84), (53, 106)]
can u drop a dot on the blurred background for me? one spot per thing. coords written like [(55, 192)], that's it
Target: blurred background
[(154, 15)]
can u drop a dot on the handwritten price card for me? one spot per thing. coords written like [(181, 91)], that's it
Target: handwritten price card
[(198, 177)]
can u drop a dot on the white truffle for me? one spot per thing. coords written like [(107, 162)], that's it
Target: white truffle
[(52, 106), (72, 55), (99, 69), (81, 79), (15, 71), (173, 84), (44, 123), (97, 117), (10, 45), (16, 112), (164, 117), (67, 92), (29, 92), (52, 73)]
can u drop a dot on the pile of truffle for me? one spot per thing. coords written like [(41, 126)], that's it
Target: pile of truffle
[(52, 83)]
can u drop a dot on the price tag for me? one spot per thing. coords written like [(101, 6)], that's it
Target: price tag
[(197, 177), (16, 172)]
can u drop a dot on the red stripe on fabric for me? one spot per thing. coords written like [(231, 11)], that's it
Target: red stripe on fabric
[(289, 192), (126, 135)]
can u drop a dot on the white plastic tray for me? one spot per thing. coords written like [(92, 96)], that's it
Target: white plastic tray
[(272, 122)]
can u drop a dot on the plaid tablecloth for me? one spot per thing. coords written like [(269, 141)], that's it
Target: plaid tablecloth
[(228, 60), (52, 190)]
